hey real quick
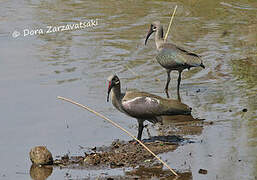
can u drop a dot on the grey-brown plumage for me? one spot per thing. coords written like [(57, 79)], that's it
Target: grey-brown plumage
[(172, 57), (143, 106)]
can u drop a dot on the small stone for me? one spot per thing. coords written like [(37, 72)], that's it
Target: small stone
[(202, 171), (88, 160), (40, 155), (147, 160), (65, 157)]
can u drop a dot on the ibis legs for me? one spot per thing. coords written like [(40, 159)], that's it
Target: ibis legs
[(140, 128), (179, 79), (168, 82)]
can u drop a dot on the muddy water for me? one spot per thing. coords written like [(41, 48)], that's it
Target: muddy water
[(37, 68)]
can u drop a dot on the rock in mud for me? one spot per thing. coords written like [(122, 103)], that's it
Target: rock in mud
[(202, 171), (40, 155)]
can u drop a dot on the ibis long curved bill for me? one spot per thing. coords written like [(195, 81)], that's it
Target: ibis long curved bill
[(149, 33)]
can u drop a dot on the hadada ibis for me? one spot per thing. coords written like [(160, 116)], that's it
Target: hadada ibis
[(142, 105), (172, 57)]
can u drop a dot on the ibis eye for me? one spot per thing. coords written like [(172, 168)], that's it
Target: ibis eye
[(115, 80), (154, 28)]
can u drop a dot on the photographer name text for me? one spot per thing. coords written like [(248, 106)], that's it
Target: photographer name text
[(54, 29)]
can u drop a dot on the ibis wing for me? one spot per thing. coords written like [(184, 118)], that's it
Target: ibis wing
[(141, 107), (189, 58), (172, 55), (187, 52), (168, 58)]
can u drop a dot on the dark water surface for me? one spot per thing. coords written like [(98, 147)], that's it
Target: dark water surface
[(35, 69)]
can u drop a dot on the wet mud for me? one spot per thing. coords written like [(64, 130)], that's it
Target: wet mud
[(119, 154), (131, 155)]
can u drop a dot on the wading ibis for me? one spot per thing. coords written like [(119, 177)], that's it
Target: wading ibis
[(172, 57), (142, 105)]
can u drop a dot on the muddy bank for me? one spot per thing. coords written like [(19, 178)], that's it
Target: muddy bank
[(131, 154), (127, 155), (136, 161), (120, 154)]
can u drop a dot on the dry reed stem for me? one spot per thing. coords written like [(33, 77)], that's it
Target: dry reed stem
[(171, 19), (118, 126), (133, 72)]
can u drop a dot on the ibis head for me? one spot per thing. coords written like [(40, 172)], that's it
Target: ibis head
[(153, 28), (113, 81)]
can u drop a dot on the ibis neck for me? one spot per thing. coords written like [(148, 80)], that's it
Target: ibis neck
[(116, 97), (159, 40)]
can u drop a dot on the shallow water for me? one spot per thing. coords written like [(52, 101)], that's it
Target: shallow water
[(75, 64)]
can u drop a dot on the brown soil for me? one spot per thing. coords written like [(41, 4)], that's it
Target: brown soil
[(130, 154), (119, 154)]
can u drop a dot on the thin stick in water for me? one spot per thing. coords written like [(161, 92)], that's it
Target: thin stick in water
[(133, 72), (171, 19), (118, 126)]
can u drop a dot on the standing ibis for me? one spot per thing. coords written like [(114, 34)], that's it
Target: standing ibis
[(172, 57), (143, 106)]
